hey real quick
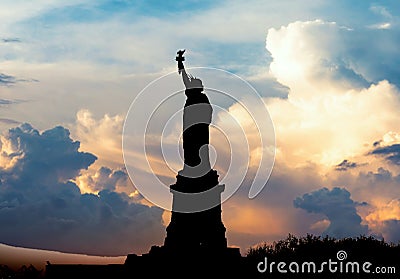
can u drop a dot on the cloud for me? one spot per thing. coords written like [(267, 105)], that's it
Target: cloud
[(9, 121), (345, 165), (321, 225), (319, 51), (7, 102), (40, 206), (381, 175), (51, 154), (104, 179), (312, 52), (7, 79), (385, 219), (101, 136), (383, 25), (11, 40), (338, 207), (388, 211), (391, 230), (327, 115), (17, 11), (388, 20), (381, 10), (391, 153)]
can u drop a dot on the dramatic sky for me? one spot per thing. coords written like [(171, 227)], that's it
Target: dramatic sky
[(328, 73)]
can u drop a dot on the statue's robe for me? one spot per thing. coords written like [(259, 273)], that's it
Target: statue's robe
[(197, 116)]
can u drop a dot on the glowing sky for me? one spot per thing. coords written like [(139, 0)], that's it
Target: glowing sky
[(327, 71)]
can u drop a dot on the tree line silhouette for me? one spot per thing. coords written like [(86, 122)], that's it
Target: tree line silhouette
[(318, 249), (24, 272)]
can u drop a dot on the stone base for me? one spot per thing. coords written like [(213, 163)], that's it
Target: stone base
[(196, 222), (161, 261)]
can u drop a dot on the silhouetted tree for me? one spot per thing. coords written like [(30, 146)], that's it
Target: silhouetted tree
[(320, 249), (24, 272), (29, 272), (6, 272)]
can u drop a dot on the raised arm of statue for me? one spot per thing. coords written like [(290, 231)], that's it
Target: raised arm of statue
[(181, 68), (189, 81), (185, 78)]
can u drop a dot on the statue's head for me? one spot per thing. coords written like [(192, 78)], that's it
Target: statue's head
[(196, 83)]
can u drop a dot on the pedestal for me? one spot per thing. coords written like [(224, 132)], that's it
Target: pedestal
[(192, 228)]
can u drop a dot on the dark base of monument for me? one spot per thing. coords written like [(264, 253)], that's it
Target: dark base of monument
[(195, 244), (196, 223), (161, 262)]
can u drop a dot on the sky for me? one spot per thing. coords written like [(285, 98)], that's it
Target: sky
[(326, 71)]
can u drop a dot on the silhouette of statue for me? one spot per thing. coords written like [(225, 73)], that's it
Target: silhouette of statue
[(197, 116), (196, 222)]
